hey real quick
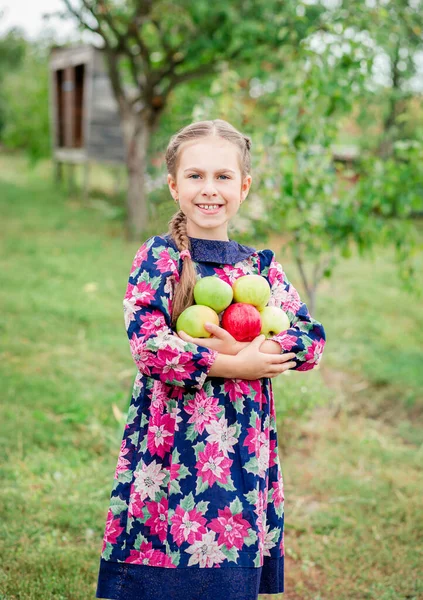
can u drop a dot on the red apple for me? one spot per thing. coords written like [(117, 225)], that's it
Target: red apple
[(243, 321)]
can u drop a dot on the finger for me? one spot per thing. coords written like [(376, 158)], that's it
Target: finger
[(217, 331), (258, 341), (277, 369), (185, 336), (281, 358)]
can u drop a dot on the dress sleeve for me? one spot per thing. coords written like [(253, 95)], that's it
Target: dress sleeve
[(306, 336), (156, 349)]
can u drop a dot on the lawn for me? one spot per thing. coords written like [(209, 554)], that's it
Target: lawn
[(352, 465)]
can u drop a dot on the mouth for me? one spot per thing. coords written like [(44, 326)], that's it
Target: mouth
[(209, 209)]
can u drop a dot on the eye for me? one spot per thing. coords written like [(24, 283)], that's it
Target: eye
[(193, 175), (225, 176)]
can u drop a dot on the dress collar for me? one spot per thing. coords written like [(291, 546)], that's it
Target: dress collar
[(216, 251)]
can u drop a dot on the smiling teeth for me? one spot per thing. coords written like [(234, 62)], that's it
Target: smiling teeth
[(209, 206)]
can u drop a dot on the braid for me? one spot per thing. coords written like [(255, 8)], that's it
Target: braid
[(184, 295), (178, 230)]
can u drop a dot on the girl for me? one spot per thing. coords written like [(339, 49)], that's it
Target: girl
[(196, 512)]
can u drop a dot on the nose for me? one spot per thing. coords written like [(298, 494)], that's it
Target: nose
[(209, 190)]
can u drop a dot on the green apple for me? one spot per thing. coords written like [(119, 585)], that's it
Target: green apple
[(252, 289), (192, 320), (213, 292), (273, 320)]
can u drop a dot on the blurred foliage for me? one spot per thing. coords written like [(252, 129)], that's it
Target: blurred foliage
[(24, 96), (339, 71)]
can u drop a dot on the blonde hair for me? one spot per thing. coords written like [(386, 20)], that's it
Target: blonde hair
[(184, 296)]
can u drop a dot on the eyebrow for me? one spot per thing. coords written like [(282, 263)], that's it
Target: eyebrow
[(217, 171)]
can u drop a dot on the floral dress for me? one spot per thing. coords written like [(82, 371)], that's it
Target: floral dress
[(197, 507)]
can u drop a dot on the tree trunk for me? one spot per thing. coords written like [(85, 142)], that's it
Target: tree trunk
[(136, 133)]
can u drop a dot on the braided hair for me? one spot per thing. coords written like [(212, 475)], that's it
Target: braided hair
[(184, 295)]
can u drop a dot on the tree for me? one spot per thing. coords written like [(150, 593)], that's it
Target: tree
[(12, 52), (157, 45)]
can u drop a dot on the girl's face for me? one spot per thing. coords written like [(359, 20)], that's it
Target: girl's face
[(209, 186)]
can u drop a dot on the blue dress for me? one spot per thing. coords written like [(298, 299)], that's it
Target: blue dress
[(197, 507)]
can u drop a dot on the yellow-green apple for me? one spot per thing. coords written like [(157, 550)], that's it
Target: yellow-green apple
[(192, 320), (273, 320), (214, 292), (252, 289), (243, 321)]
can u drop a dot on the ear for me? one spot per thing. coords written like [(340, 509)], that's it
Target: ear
[(172, 186), (245, 187)]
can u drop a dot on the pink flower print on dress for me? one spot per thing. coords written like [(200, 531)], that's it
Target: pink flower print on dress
[(229, 274), (206, 552), (286, 341), (151, 323), (122, 464), (147, 555), (135, 507), (158, 519), (141, 355), (160, 434), (212, 466), (260, 510), (263, 455), (172, 364), (165, 262), (236, 388), (187, 526), (273, 452), (312, 358), (203, 410), (140, 257), (232, 529), (252, 441), (112, 530), (143, 293), (278, 496), (223, 435), (149, 479), (259, 395), (174, 471)]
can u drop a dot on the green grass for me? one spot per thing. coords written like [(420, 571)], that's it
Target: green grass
[(352, 469)]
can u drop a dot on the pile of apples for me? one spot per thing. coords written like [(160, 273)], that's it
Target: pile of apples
[(244, 305)]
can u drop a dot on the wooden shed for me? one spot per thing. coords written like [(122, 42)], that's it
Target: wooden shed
[(84, 114)]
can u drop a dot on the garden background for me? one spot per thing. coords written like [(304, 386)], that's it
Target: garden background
[(331, 95)]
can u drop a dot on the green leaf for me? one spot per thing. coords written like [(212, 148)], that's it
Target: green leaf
[(229, 485), (253, 417), (252, 537), (202, 506), (187, 503), (201, 486), (174, 487), (117, 505), (252, 497), (199, 447), (231, 554), (140, 539), (191, 433), (235, 506), (252, 466)]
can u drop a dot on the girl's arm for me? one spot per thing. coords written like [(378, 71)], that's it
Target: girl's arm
[(156, 349), (306, 337)]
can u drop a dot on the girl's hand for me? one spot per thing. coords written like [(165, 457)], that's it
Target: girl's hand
[(221, 340), (253, 364)]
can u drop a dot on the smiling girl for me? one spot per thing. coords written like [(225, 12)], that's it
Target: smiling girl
[(197, 507)]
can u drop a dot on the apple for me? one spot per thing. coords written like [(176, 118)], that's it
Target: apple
[(252, 289), (242, 321), (192, 320), (273, 320), (213, 292)]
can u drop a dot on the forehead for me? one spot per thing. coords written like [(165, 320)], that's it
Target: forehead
[(211, 152)]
